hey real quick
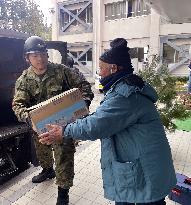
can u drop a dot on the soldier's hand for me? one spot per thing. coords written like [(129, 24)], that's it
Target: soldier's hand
[(54, 135)]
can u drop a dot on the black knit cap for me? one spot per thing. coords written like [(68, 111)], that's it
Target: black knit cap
[(118, 54)]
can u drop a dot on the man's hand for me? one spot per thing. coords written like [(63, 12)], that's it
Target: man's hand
[(54, 135)]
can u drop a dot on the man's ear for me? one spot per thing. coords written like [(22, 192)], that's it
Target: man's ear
[(114, 68), (27, 58)]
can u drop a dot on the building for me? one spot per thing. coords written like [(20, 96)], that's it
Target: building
[(88, 26)]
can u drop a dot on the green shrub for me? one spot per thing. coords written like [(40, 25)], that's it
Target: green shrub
[(165, 84)]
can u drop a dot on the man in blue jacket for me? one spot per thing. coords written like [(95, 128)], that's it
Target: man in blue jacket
[(136, 159)]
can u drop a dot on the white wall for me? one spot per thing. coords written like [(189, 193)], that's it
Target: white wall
[(154, 45), (126, 28), (75, 38), (167, 29), (181, 71)]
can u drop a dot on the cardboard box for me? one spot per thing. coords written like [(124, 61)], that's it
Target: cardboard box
[(61, 109)]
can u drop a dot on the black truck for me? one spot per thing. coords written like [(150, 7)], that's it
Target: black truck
[(16, 144)]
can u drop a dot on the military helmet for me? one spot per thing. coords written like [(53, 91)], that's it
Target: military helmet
[(34, 44)]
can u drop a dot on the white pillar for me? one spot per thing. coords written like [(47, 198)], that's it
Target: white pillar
[(154, 34), (55, 21), (97, 33), (55, 56)]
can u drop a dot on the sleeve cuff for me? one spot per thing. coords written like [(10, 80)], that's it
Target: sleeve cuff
[(65, 132)]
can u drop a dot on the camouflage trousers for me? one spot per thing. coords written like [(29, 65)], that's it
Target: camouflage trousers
[(64, 160)]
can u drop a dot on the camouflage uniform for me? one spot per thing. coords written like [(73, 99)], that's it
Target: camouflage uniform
[(31, 89)]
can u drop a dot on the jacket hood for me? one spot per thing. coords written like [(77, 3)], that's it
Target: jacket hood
[(126, 90), (150, 93)]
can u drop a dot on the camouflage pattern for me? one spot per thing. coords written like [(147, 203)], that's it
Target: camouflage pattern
[(30, 90), (44, 153), (64, 160)]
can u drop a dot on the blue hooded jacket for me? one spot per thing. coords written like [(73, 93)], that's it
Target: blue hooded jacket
[(136, 159)]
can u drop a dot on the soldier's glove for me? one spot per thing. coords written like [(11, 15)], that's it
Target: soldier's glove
[(88, 103)]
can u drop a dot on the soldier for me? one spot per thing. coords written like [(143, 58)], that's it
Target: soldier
[(41, 81)]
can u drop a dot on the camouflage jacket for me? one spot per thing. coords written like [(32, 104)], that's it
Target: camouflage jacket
[(31, 89)]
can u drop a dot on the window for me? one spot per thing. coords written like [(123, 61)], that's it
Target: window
[(89, 55), (115, 10), (74, 54), (82, 16), (125, 9), (64, 18), (121, 9), (139, 8), (75, 22), (170, 55), (129, 7), (140, 54), (87, 15), (146, 9), (137, 53), (107, 12), (84, 58)]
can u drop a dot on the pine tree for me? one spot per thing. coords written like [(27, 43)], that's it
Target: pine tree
[(164, 83), (24, 16)]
